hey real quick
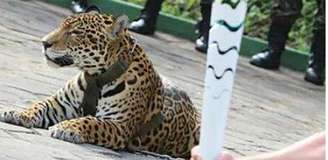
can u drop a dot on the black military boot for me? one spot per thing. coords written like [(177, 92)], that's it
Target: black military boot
[(143, 25), (315, 73), (267, 59), (79, 6), (201, 44)]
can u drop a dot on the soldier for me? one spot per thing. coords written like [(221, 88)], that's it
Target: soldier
[(284, 15), (146, 22)]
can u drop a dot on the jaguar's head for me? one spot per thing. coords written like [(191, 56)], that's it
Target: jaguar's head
[(88, 41)]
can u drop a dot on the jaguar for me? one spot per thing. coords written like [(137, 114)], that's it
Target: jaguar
[(117, 100)]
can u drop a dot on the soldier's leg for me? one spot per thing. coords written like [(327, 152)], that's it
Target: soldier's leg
[(316, 66), (204, 25), (146, 22), (152, 9), (284, 15)]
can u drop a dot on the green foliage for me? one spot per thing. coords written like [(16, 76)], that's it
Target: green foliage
[(258, 20)]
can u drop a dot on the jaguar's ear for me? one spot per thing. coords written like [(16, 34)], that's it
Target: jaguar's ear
[(119, 25), (92, 9)]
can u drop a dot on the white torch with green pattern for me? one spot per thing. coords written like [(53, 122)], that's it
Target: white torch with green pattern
[(227, 22)]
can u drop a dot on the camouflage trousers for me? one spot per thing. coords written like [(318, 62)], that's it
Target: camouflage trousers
[(284, 14)]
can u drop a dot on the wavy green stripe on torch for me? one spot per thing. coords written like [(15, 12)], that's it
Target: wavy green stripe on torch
[(231, 3), (229, 27)]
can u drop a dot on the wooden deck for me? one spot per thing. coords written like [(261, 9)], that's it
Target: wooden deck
[(269, 109)]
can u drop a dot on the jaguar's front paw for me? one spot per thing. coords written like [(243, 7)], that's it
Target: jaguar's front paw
[(17, 118), (67, 132), (10, 117)]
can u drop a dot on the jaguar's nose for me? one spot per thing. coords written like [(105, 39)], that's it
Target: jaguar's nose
[(46, 44)]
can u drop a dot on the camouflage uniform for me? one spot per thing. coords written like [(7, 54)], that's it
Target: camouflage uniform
[(284, 15)]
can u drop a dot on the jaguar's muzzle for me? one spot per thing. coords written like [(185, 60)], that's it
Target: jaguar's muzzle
[(62, 61)]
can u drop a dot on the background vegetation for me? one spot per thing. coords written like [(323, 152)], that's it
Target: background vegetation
[(258, 19)]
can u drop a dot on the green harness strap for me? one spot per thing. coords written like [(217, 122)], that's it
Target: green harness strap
[(95, 84)]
